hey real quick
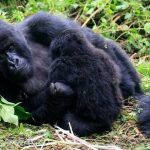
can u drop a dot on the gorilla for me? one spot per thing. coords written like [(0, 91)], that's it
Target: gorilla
[(72, 56), (94, 78), (25, 69), (43, 27)]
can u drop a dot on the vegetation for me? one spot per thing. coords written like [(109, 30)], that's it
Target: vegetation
[(130, 19), (125, 21), (15, 112), (123, 134)]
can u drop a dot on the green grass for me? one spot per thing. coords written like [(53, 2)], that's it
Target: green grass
[(124, 134), (125, 21), (14, 138), (143, 67)]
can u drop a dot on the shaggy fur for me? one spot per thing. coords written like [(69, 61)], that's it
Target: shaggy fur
[(94, 78), (43, 27), (144, 115), (29, 84)]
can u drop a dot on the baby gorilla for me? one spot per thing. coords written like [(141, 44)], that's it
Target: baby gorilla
[(93, 77)]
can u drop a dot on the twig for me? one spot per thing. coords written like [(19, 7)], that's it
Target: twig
[(60, 137), (70, 127), (133, 56), (41, 131), (36, 138), (42, 145), (146, 57), (81, 142), (68, 139), (111, 147), (75, 138), (50, 143), (78, 15), (119, 15), (91, 16)]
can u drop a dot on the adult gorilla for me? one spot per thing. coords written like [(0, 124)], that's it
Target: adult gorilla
[(43, 27), (25, 62)]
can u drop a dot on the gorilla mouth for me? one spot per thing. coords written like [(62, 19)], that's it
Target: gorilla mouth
[(13, 68), (20, 72)]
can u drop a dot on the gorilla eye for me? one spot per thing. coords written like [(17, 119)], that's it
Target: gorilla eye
[(11, 48), (8, 48)]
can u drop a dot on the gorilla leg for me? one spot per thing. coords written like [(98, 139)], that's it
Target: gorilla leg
[(127, 87), (81, 126)]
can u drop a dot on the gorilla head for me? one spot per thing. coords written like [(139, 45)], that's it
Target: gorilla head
[(15, 56), (61, 46)]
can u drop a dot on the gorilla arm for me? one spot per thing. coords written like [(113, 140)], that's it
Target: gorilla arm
[(57, 98)]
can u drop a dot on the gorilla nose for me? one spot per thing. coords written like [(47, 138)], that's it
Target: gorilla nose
[(13, 62)]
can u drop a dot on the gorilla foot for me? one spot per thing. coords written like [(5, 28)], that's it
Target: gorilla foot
[(80, 126)]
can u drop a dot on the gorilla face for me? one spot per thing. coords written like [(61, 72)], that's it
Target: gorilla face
[(15, 56)]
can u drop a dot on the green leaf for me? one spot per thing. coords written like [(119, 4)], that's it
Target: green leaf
[(122, 6), (75, 5), (147, 27), (128, 16), (21, 113), (11, 112), (7, 114), (6, 102)]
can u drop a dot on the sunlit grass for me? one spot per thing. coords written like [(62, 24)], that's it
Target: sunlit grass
[(143, 67)]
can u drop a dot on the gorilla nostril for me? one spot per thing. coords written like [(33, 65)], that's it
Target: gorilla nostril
[(16, 61), (13, 63)]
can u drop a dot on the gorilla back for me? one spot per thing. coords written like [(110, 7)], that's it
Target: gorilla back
[(43, 27)]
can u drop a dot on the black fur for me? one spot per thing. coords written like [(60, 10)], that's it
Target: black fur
[(144, 115), (15, 61), (43, 27), (32, 38), (94, 78)]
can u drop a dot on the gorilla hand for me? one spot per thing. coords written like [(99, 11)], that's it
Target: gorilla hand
[(60, 89)]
